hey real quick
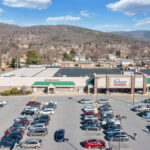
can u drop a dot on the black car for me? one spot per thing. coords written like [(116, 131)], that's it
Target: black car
[(28, 112), (1, 105), (118, 136), (59, 136), (109, 125), (46, 117), (13, 136), (107, 117), (18, 125), (90, 121), (142, 114), (112, 129), (41, 120), (147, 101), (94, 127), (9, 143)]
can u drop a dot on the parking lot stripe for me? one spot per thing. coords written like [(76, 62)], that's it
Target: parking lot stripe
[(34, 97)]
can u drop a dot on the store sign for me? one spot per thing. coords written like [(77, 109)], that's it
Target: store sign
[(51, 80), (118, 82)]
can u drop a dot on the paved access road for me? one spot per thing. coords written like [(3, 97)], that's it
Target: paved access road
[(67, 116)]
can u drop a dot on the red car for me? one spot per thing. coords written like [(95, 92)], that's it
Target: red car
[(24, 122), (89, 113), (96, 115), (93, 143), (9, 131), (33, 103)]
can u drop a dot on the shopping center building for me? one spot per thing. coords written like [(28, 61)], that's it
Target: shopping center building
[(45, 79)]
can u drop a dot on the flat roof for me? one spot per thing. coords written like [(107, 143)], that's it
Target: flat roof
[(79, 72)]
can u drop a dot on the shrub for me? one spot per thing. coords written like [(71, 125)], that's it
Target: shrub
[(6, 93), (15, 91), (29, 92)]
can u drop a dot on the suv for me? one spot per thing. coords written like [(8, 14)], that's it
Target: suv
[(38, 132), (31, 143), (118, 136)]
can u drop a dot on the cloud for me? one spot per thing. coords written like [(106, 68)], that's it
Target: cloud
[(33, 4), (143, 22), (109, 27), (63, 18), (86, 13), (131, 7), (1, 11)]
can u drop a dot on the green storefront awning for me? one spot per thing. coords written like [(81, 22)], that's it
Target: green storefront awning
[(91, 83), (55, 83), (148, 80)]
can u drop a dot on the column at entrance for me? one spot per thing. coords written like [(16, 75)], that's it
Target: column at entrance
[(144, 84)]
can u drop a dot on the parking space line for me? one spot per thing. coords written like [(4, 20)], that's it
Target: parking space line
[(34, 97)]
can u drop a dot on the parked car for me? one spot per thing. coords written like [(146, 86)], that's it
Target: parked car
[(33, 103), (113, 130), (102, 101), (118, 136), (90, 121), (144, 114), (59, 136), (28, 112), (93, 143), (44, 121), (8, 143), (110, 125), (147, 101), (17, 125), (21, 118), (140, 108), (31, 143), (86, 117), (38, 125), (37, 132), (14, 135), (94, 127), (89, 108), (46, 112), (9, 131), (86, 101), (1, 105), (2, 102), (90, 112), (24, 122)]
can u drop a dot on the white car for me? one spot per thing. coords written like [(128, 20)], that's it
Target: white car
[(92, 110), (2, 102), (86, 117), (31, 108), (21, 118), (46, 112), (38, 125), (86, 101), (116, 121), (89, 108)]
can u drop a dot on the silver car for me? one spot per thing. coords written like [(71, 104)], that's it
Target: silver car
[(31, 143), (38, 125), (86, 101)]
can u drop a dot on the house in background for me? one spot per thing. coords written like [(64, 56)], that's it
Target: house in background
[(86, 64), (126, 62), (66, 64)]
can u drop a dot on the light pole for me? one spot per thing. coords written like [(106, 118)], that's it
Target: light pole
[(120, 119)]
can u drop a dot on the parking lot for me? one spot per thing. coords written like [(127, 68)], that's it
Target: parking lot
[(67, 116)]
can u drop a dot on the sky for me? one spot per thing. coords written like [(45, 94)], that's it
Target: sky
[(102, 15)]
